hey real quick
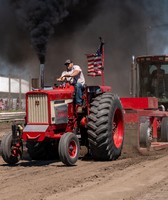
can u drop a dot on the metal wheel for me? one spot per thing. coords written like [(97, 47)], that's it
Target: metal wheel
[(145, 134), (69, 148), (11, 153)]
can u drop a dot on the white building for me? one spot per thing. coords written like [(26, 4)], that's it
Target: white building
[(12, 93)]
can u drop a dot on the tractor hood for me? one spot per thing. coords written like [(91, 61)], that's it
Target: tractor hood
[(55, 93)]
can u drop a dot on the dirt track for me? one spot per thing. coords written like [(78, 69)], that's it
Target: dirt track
[(132, 177)]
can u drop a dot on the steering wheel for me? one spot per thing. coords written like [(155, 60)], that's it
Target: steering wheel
[(69, 80)]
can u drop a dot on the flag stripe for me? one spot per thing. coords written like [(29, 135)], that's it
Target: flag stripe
[(94, 64)]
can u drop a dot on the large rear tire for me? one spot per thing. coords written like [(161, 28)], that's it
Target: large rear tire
[(106, 127), (69, 148), (11, 154)]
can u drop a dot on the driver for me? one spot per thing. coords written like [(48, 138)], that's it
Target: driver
[(75, 76)]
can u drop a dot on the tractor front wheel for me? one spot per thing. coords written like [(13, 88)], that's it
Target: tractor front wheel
[(11, 153), (69, 148)]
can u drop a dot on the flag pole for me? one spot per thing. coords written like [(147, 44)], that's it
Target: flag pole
[(102, 49)]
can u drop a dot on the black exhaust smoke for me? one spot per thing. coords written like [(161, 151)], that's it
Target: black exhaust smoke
[(40, 18)]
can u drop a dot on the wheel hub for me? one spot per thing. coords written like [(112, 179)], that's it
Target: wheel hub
[(72, 149)]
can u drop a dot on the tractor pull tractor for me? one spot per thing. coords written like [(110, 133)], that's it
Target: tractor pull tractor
[(53, 127)]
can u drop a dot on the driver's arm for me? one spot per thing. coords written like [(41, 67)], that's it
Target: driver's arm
[(75, 73), (61, 78)]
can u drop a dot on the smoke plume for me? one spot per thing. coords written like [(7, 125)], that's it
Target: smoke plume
[(61, 29), (40, 18)]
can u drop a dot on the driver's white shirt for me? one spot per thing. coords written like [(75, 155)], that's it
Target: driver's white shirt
[(77, 79)]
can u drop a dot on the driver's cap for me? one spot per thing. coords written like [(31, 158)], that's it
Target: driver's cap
[(68, 61)]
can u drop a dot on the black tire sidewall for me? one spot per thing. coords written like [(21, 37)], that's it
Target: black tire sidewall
[(100, 127), (6, 150), (64, 142), (164, 129)]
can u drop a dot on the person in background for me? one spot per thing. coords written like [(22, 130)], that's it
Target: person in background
[(75, 76), (158, 81)]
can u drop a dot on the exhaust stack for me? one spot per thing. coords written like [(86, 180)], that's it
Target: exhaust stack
[(41, 79)]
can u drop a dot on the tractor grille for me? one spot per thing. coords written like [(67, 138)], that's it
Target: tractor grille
[(37, 108)]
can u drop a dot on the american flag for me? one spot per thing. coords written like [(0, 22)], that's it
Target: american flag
[(95, 61), (94, 64)]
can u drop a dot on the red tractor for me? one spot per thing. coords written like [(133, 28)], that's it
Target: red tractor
[(147, 109), (53, 127)]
